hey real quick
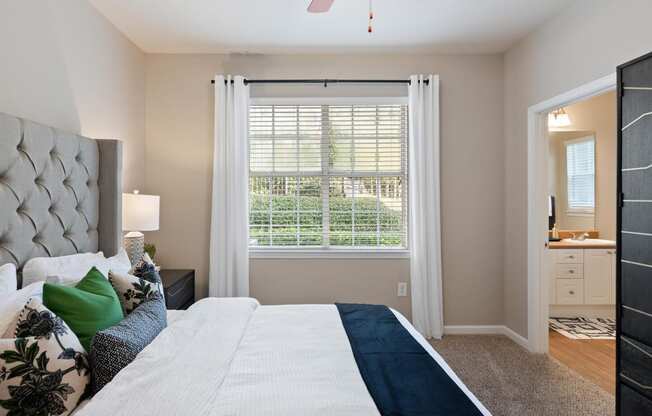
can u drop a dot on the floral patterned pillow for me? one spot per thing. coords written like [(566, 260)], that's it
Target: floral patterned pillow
[(44, 369), (132, 290), (146, 269)]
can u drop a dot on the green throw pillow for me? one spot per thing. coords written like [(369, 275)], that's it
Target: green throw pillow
[(91, 306)]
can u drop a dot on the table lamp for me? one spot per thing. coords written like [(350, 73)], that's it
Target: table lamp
[(139, 213)]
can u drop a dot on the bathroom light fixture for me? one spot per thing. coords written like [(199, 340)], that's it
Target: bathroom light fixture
[(558, 118)]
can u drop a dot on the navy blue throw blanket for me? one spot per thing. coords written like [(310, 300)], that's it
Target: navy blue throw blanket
[(401, 376)]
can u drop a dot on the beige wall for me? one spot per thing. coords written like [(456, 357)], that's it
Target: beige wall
[(586, 42), (327, 281), (593, 117), (179, 124), (65, 65)]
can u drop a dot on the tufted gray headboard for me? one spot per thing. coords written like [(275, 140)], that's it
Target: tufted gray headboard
[(60, 193)]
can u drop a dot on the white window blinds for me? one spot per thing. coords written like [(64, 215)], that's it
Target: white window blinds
[(580, 174), (328, 175)]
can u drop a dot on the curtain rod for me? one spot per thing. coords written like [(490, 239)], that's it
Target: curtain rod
[(325, 82)]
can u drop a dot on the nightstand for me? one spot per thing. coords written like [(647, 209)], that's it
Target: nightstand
[(179, 288)]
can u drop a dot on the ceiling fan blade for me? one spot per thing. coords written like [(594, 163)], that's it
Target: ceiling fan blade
[(320, 6)]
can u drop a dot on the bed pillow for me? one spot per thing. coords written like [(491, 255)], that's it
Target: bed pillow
[(146, 269), (112, 349), (64, 269), (8, 281), (43, 369), (119, 263), (133, 291), (90, 306), (11, 304)]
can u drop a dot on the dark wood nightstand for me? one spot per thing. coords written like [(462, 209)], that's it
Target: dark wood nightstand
[(179, 288)]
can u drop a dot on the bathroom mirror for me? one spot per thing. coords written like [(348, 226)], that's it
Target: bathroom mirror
[(571, 180)]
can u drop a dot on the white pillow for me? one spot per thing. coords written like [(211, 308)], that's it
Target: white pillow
[(12, 303), (8, 281), (132, 290), (119, 263), (67, 269)]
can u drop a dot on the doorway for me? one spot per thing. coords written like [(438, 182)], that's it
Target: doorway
[(581, 256), (556, 278), (538, 205)]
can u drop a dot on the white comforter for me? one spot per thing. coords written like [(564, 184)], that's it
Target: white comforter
[(235, 357)]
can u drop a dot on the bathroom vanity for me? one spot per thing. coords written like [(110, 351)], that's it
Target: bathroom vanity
[(582, 273)]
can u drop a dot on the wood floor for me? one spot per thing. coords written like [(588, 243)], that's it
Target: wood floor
[(595, 360)]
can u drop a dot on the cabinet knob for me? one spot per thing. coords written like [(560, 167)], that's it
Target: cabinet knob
[(571, 257), (571, 292), (571, 271)]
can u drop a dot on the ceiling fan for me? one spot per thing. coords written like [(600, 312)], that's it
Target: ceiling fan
[(320, 6), (323, 6)]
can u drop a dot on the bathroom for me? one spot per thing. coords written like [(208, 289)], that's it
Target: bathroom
[(581, 255)]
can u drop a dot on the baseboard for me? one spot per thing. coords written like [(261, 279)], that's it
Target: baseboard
[(487, 330), (518, 339)]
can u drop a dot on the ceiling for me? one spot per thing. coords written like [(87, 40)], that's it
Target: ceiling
[(284, 26)]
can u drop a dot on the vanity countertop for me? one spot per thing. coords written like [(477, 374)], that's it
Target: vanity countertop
[(587, 243)]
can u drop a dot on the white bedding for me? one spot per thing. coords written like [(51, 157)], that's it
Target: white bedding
[(173, 315), (234, 357)]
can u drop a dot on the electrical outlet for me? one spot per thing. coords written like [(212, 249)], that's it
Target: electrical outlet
[(402, 289)]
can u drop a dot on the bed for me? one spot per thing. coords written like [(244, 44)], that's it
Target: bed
[(60, 194)]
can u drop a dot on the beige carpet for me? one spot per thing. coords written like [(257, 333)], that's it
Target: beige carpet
[(509, 381)]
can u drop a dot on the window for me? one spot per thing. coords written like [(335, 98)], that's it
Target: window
[(328, 176), (580, 175)]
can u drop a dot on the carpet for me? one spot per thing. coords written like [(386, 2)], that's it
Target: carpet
[(584, 328), (510, 381)]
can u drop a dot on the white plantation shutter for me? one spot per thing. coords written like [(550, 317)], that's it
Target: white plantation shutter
[(328, 175), (580, 173)]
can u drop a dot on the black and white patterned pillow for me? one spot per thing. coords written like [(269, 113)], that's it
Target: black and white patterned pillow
[(114, 348), (146, 269), (133, 291), (44, 369)]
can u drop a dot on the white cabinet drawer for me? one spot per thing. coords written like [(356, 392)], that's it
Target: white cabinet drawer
[(569, 271), (569, 256), (570, 291)]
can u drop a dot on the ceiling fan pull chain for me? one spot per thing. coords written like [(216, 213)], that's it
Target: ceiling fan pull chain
[(371, 16)]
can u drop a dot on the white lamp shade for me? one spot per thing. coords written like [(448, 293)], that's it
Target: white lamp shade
[(558, 120), (140, 212)]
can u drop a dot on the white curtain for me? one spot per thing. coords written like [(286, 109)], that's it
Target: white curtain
[(229, 241), (425, 227)]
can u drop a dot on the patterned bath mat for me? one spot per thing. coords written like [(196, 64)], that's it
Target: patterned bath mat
[(584, 328)]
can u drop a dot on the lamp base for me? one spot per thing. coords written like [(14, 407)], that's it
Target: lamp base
[(134, 244)]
